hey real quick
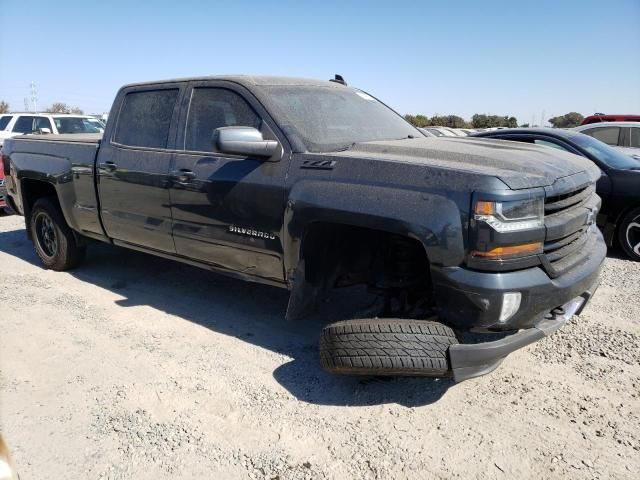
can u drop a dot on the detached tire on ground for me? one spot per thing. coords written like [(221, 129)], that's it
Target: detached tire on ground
[(387, 346), (54, 241)]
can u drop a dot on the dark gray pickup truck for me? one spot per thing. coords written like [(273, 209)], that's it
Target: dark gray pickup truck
[(311, 186)]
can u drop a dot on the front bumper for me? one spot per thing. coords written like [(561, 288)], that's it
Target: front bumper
[(472, 300), (473, 360)]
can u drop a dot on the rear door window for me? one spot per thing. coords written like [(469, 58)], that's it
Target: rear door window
[(608, 135), (74, 125), (4, 121), (213, 108), (24, 124), (145, 118)]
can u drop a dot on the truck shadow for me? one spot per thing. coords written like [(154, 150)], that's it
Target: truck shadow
[(250, 312)]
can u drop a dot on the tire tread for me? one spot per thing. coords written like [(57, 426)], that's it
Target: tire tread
[(69, 254), (387, 347)]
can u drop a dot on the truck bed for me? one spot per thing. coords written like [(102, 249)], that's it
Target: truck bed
[(67, 161)]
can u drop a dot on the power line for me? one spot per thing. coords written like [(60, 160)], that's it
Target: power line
[(34, 97)]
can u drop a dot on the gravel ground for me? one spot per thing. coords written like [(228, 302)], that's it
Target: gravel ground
[(137, 367)]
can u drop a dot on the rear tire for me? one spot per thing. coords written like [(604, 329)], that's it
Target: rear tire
[(387, 346), (54, 241), (629, 234)]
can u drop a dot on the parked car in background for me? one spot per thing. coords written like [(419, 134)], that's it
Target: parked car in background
[(601, 117), (619, 185), (56, 123), (3, 188), (427, 133), (4, 121), (96, 122), (441, 131), (458, 131), (625, 136)]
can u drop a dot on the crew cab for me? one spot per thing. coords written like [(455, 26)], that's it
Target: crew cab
[(311, 185)]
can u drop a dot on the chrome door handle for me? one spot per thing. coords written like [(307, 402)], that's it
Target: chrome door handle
[(183, 175), (109, 166)]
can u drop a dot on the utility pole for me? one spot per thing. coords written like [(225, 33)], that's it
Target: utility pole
[(34, 97), (542, 120), (26, 104)]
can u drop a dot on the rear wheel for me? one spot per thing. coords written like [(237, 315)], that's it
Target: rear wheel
[(54, 241), (387, 346), (629, 234)]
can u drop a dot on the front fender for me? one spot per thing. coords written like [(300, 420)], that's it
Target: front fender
[(429, 217)]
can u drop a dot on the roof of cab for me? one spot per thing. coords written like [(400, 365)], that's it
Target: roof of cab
[(248, 80)]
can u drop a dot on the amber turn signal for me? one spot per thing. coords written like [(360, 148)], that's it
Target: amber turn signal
[(485, 208), (514, 250)]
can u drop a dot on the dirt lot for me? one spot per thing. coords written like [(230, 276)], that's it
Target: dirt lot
[(137, 367)]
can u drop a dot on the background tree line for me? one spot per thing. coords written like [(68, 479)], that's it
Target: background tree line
[(57, 107), (479, 120), (482, 120)]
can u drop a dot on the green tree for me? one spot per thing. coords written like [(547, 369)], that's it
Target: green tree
[(417, 120), (451, 121), (568, 120), (4, 107), (61, 107), (482, 120)]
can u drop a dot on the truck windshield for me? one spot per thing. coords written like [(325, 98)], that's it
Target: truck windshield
[(329, 119), (75, 125), (607, 155)]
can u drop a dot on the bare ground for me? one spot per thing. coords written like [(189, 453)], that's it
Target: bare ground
[(137, 367)]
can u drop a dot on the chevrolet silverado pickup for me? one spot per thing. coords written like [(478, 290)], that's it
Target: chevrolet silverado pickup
[(311, 186)]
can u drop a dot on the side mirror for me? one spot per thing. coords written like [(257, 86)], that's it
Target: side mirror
[(243, 141), (44, 130)]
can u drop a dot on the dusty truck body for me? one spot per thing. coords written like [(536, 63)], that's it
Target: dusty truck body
[(311, 185)]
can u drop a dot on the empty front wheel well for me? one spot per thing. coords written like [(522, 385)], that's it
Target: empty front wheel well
[(337, 255)]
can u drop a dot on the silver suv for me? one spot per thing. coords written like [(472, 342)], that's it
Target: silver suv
[(12, 124), (624, 136)]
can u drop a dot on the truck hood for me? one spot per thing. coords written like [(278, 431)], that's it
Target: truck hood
[(518, 165)]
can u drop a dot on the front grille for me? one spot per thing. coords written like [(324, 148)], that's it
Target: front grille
[(564, 201), (568, 216)]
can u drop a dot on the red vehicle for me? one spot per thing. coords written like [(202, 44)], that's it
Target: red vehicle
[(601, 117), (3, 189)]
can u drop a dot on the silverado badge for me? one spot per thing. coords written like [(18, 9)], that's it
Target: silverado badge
[(250, 232)]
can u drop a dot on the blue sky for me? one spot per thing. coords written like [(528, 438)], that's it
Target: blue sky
[(500, 57)]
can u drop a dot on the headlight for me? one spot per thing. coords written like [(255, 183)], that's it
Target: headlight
[(505, 230), (512, 216)]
